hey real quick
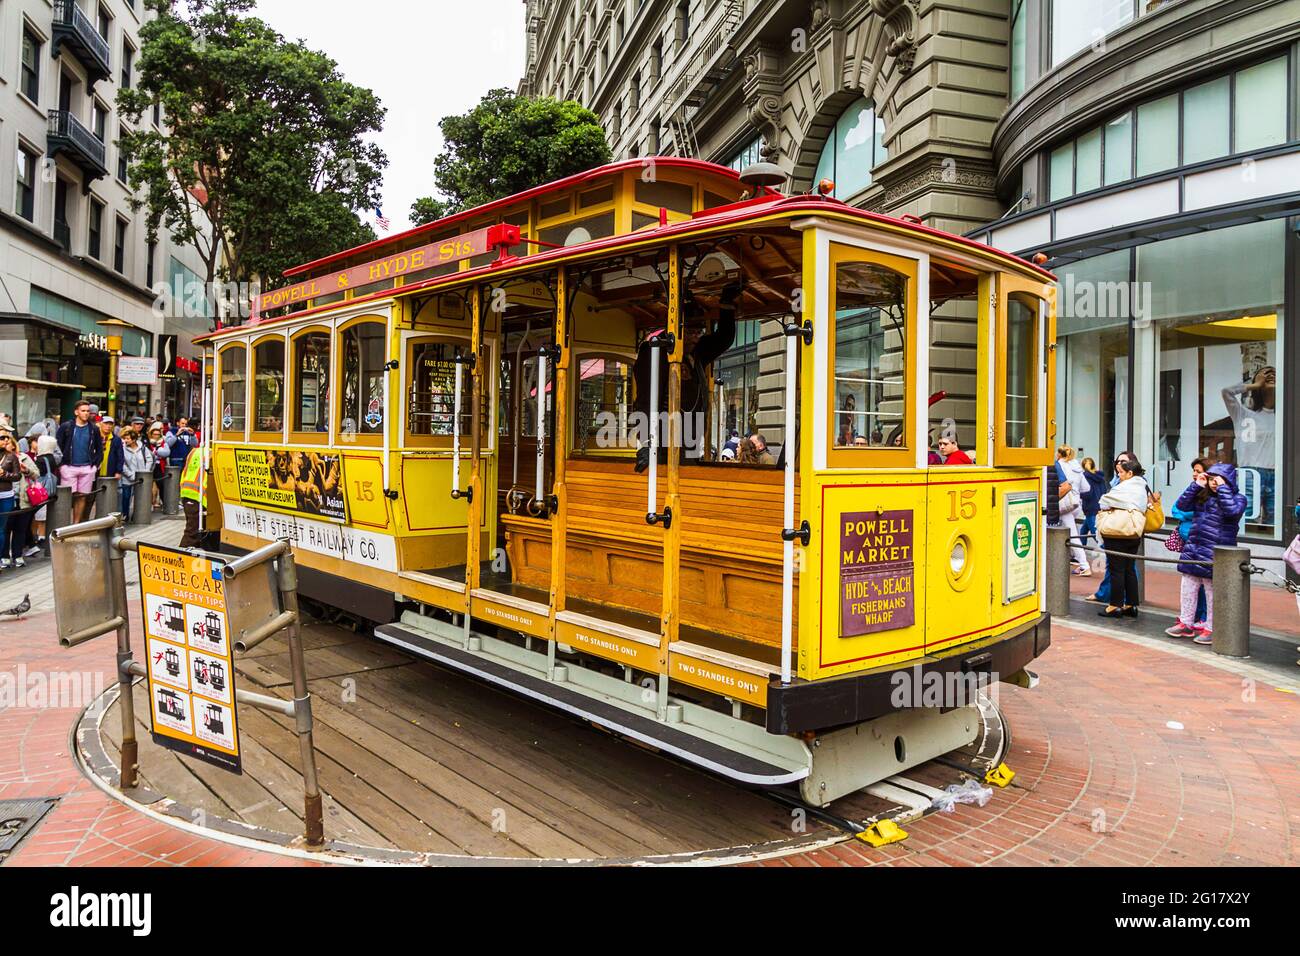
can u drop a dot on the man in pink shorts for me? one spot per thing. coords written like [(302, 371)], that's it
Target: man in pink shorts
[(82, 447)]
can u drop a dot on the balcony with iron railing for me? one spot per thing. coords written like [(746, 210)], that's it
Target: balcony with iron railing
[(65, 134), (74, 29)]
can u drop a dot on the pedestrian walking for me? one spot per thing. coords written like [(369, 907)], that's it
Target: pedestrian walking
[(137, 460), (13, 543), (1216, 506), (1071, 505), (11, 473), (1096, 488), (47, 463), (1122, 522), (82, 447)]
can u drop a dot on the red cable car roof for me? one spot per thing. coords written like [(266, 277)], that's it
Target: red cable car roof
[(666, 162)]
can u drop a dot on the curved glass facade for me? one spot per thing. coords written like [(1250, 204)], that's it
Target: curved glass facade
[(855, 147)]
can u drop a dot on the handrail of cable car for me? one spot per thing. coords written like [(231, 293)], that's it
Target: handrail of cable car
[(456, 493), (794, 334), (664, 340)]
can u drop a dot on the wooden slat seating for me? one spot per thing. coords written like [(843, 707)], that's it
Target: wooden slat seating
[(731, 545)]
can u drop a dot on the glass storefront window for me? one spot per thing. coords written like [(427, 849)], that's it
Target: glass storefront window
[(1019, 49), (1087, 162), (234, 388), (1260, 101), (362, 409), (1157, 135), (1218, 384), (853, 149), (1205, 121), (870, 341), (311, 400), (1077, 24), (1062, 173), (268, 386), (1119, 150)]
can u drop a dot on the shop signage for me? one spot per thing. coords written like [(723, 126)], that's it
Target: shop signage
[(136, 371), (1020, 546), (167, 345), (93, 340), (877, 572), (453, 249), (191, 666)]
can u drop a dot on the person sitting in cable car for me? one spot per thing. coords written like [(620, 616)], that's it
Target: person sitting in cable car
[(700, 350)]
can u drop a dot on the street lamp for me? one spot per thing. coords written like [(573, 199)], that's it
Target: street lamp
[(114, 350)]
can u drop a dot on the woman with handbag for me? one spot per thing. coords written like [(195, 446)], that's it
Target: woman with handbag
[(1217, 507), (1122, 521)]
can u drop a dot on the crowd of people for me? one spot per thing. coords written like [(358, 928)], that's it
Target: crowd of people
[(76, 453), (1123, 511)]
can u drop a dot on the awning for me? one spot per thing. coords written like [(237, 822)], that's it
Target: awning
[(39, 382)]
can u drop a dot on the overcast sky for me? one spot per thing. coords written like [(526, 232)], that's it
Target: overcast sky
[(424, 60)]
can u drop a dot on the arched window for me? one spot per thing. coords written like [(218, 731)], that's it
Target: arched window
[(311, 370), (855, 146), (268, 385), (234, 388), (361, 402)]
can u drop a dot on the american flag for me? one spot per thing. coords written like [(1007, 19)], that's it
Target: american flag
[(383, 223)]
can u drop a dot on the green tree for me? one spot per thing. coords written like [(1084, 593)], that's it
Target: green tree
[(264, 161), (427, 209), (509, 143)]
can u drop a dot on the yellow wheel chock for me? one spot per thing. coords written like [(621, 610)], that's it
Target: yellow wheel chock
[(882, 833), (1000, 776)]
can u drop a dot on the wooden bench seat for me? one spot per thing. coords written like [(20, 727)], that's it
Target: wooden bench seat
[(730, 518)]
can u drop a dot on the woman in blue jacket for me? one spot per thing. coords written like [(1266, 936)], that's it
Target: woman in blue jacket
[(1216, 507), (1096, 488)]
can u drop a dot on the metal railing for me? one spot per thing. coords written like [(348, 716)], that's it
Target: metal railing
[(71, 23), (65, 126), (1230, 571)]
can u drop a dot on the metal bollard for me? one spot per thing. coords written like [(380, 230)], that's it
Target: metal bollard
[(1058, 572), (142, 501), (108, 498), (59, 513), (171, 492), (1231, 602)]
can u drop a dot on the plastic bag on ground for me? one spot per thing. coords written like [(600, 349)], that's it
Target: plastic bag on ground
[(968, 791)]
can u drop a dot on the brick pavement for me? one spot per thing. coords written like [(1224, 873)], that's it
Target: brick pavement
[(1129, 752)]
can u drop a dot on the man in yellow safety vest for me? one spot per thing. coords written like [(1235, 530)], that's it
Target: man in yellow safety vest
[(192, 496)]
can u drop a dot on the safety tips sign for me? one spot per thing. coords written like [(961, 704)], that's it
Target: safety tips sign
[(191, 667)]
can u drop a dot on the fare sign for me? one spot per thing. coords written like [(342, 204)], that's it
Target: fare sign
[(453, 249)]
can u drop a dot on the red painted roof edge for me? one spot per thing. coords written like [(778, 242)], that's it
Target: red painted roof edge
[(665, 161)]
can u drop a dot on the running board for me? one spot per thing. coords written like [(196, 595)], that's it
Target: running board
[(715, 742)]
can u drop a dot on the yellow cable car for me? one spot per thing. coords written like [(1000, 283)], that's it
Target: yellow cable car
[(653, 444)]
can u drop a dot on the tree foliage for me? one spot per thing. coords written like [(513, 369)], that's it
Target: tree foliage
[(509, 143), (264, 161), (427, 209)]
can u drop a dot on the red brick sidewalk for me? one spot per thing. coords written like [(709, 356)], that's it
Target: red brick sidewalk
[(1102, 779)]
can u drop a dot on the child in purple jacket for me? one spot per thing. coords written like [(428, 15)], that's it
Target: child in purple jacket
[(1216, 507)]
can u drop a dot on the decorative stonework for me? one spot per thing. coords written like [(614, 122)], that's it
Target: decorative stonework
[(939, 175), (903, 27), (764, 98)]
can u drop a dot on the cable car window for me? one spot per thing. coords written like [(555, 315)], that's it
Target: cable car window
[(679, 197), (432, 400), (870, 348), (602, 419), (311, 359), (362, 410), (234, 388), (268, 386), (505, 396), (1021, 404)]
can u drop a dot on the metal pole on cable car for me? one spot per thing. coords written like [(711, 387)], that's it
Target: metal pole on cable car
[(538, 490), (794, 332)]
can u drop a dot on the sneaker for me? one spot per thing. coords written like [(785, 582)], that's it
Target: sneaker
[(1180, 630), (31, 552), (1203, 636), (5, 564), (19, 563), (1083, 571)]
